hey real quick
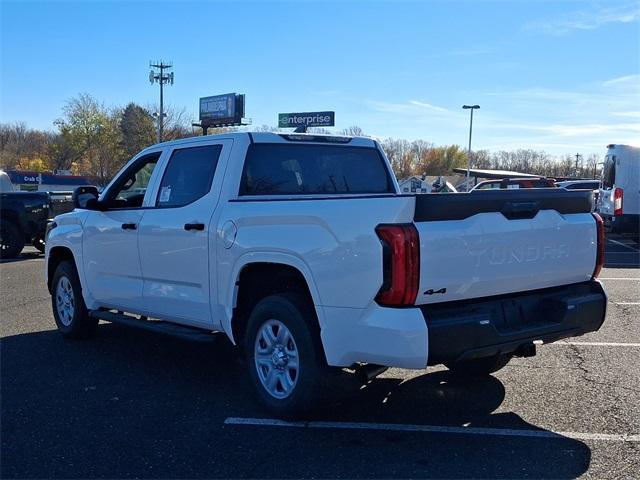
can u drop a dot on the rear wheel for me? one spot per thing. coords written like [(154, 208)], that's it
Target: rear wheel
[(11, 240), (69, 310), (479, 367), (284, 354)]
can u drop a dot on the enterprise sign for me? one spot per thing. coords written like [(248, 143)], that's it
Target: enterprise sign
[(308, 119)]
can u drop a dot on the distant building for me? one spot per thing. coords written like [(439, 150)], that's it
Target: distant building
[(45, 181), (428, 184), (415, 184)]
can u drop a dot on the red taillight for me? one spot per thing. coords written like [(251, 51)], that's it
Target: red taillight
[(599, 246), (618, 193), (401, 264)]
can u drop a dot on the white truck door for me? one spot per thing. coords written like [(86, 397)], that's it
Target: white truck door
[(110, 238), (176, 236)]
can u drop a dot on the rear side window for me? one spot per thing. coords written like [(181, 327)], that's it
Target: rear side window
[(281, 169), (188, 175), (609, 171)]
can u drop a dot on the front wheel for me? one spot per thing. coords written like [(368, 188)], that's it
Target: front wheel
[(69, 310), (479, 367), (38, 242), (285, 358)]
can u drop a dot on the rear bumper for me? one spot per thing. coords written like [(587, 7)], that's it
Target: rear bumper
[(484, 327)]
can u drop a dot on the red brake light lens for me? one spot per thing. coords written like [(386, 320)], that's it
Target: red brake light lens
[(401, 264), (599, 246), (618, 195)]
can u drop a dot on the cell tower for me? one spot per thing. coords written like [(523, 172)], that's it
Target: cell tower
[(157, 74)]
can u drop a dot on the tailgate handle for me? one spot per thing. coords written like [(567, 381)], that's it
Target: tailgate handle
[(520, 210)]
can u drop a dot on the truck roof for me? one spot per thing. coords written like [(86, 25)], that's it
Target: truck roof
[(623, 147), (273, 137)]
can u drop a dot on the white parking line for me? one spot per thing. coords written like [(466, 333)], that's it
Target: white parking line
[(400, 427), (621, 278), (623, 245), (627, 303), (597, 344)]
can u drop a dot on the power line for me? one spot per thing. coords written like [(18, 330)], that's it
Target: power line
[(158, 75)]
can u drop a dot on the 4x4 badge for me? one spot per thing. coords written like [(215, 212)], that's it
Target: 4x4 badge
[(431, 291)]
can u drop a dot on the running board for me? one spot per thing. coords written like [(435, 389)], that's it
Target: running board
[(173, 329)]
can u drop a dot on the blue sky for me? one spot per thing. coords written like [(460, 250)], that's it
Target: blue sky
[(559, 76)]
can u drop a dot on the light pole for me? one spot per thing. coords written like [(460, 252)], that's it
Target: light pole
[(472, 108), (161, 78)]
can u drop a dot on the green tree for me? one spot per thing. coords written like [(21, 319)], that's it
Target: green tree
[(137, 129), (20, 146), (92, 137)]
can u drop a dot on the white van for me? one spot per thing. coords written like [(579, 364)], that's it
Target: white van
[(619, 202)]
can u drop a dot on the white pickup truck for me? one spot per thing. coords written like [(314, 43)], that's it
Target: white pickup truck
[(302, 251)]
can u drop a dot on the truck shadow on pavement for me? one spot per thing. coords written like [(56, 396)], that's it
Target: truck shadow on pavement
[(136, 404), (23, 256), (620, 253)]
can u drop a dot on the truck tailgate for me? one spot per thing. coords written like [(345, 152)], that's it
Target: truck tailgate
[(487, 243)]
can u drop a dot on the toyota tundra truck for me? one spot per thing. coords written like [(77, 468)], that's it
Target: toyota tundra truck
[(301, 250)]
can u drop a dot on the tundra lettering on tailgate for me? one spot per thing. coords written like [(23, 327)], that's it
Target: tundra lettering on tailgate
[(508, 254)]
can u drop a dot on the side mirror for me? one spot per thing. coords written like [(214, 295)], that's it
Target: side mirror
[(85, 197)]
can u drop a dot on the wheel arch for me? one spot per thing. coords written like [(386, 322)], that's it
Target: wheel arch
[(283, 272), (57, 255)]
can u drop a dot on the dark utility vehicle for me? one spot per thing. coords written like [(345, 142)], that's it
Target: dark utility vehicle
[(23, 219)]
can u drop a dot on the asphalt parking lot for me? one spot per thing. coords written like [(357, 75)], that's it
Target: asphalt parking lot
[(135, 404)]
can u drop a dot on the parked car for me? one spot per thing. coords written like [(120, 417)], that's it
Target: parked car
[(514, 183), (580, 184), (23, 218), (619, 199), (301, 249), (592, 185)]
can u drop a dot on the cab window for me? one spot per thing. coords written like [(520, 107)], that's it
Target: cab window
[(188, 176), (131, 186), (285, 169)]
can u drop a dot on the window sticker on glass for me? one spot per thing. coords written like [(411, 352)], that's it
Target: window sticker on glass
[(165, 194)]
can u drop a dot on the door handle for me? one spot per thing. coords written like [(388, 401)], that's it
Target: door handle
[(194, 226), (129, 226)]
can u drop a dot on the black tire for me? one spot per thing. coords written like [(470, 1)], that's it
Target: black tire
[(479, 367), (74, 321), (312, 377), (38, 243), (11, 240)]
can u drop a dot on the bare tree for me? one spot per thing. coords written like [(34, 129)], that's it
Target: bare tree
[(593, 162), (177, 122), (353, 131), (265, 128)]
